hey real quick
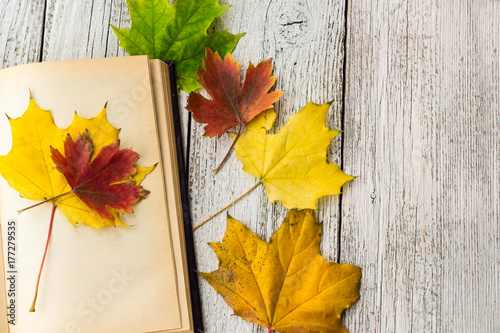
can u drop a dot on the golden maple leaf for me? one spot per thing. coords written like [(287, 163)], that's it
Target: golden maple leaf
[(29, 168), (292, 164), (284, 285)]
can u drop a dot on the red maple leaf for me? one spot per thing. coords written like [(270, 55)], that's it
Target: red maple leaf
[(232, 104), (101, 183)]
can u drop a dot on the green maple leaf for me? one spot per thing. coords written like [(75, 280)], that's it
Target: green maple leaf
[(176, 32)]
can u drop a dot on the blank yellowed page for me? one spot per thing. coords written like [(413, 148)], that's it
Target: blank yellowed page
[(163, 102), (95, 280)]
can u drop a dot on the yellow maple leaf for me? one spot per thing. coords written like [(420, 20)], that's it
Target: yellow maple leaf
[(291, 164), (29, 168), (284, 285)]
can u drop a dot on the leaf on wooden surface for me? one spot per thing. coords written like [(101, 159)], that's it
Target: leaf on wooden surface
[(284, 285), (30, 170), (105, 182), (232, 104), (176, 32), (292, 164)]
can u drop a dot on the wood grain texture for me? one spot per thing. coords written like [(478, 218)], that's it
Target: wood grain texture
[(305, 40), (421, 129), (20, 33)]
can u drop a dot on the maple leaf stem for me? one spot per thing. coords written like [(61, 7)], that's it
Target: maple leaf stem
[(226, 207), (230, 149), (45, 201), (54, 206)]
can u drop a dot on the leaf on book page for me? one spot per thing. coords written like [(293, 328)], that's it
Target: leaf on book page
[(284, 285), (100, 183), (176, 32), (91, 184), (30, 170), (232, 104)]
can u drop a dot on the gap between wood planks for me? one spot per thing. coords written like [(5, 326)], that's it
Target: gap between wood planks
[(342, 126), (40, 59)]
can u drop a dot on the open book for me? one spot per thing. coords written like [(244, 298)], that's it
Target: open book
[(115, 279)]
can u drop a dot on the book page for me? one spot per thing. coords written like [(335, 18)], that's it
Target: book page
[(105, 280), (163, 102)]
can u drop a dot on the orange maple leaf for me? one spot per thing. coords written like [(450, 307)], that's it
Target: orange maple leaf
[(284, 285)]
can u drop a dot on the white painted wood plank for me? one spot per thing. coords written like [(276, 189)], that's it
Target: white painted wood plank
[(305, 40), (421, 129), (76, 29), (120, 18), (81, 29), (20, 33)]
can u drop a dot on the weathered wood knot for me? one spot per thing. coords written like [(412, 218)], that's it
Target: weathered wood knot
[(293, 26)]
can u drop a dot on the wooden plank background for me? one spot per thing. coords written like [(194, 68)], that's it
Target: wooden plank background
[(416, 88)]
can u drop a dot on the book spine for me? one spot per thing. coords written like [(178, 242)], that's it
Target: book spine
[(186, 211)]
